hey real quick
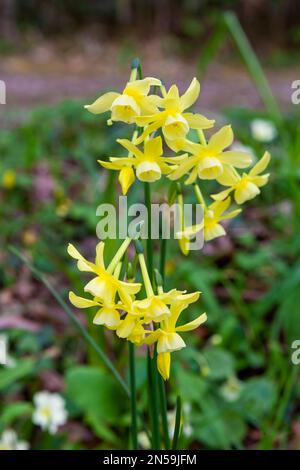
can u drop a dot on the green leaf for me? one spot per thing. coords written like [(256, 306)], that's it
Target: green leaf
[(256, 399), (95, 393), (14, 411), (23, 368), (220, 363), (218, 426)]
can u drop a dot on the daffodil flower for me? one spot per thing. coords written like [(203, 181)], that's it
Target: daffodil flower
[(173, 120), (247, 186), (126, 106), (108, 313), (149, 165), (207, 161), (131, 328), (167, 337), (105, 285), (213, 215)]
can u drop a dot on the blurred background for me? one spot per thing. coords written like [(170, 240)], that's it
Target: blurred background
[(237, 381)]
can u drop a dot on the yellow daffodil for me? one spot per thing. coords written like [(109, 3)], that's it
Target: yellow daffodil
[(149, 165), (209, 159), (131, 328), (213, 215), (167, 337), (108, 313), (132, 102), (105, 285), (247, 186), (172, 119)]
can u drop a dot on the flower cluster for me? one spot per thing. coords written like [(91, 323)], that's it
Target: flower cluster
[(142, 319), (165, 120), (168, 140)]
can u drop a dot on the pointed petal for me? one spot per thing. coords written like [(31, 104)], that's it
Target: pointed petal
[(131, 147), (193, 176), (197, 121), (229, 176), (142, 86), (221, 139), (183, 168), (222, 195), (261, 165), (236, 158), (99, 254), (192, 325), (153, 147), (82, 263), (81, 302), (103, 103), (191, 95)]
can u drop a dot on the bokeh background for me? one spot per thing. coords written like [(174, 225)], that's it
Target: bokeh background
[(238, 384)]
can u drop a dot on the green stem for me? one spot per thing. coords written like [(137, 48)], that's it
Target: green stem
[(152, 370), (73, 318), (163, 256), (153, 401), (134, 438), (163, 408), (177, 424), (161, 384), (149, 239)]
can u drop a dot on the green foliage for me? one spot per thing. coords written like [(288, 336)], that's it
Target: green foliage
[(94, 392)]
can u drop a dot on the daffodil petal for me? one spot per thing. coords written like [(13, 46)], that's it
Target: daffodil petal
[(261, 165), (197, 121), (221, 139), (236, 158), (192, 325), (103, 103), (191, 95), (153, 147), (81, 302)]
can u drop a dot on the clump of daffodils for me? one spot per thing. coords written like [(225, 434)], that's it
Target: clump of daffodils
[(168, 141), (120, 307), (49, 412)]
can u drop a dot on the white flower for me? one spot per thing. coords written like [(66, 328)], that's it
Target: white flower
[(9, 441), (263, 131), (50, 412)]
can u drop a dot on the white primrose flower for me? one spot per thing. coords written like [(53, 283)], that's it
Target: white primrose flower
[(9, 441), (262, 130), (50, 411)]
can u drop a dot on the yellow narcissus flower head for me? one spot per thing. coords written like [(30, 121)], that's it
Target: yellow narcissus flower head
[(167, 337), (149, 165), (105, 285), (107, 315), (207, 161), (215, 213), (132, 102), (247, 186), (172, 119), (212, 216)]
